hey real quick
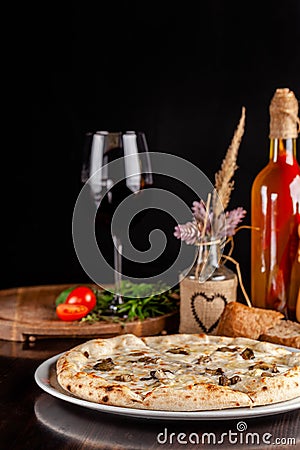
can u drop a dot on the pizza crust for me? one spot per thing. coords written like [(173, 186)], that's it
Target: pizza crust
[(98, 390), (193, 389), (196, 398), (276, 389), (73, 379)]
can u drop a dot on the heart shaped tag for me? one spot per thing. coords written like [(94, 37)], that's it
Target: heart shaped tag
[(207, 309)]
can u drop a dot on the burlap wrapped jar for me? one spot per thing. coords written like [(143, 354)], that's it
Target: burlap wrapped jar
[(205, 291)]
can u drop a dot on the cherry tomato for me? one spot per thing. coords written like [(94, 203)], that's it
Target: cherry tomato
[(82, 295), (71, 312)]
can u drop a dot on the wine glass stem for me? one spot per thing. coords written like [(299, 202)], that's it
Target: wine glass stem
[(118, 267)]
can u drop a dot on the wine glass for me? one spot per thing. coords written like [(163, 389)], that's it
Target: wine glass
[(107, 191)]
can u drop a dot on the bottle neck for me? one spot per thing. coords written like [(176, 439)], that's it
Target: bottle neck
[(283, 151)]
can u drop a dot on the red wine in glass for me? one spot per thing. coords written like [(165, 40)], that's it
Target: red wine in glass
[(109, 189)]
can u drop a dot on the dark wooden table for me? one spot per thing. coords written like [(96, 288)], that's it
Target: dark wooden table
[(34, 420)]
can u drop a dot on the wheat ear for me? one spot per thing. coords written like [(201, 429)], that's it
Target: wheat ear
[(223, 178)]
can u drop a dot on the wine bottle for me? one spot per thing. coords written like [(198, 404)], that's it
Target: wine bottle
[(275, 213)]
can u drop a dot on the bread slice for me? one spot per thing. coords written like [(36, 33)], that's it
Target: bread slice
[(238, 320), (285, 332)]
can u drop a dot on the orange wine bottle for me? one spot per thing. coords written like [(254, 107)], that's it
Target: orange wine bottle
[(275, 213)]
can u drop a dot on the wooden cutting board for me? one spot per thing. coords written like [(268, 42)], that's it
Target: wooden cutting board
[(29, 313)]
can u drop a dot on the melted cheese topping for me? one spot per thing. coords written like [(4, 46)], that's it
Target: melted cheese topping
[(186, 362)]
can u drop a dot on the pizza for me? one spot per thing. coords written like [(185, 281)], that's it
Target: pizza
[(180, 372)]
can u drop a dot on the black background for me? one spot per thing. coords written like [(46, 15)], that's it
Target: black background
[(179, 72)]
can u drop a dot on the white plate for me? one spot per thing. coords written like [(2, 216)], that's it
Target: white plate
[(43, 380)]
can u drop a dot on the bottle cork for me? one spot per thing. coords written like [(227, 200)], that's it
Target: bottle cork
[(284, 120)]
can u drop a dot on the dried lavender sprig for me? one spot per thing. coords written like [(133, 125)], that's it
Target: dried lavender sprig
[(226, 223), (199, 210), (188, 232), (232, 219), (225, 226)]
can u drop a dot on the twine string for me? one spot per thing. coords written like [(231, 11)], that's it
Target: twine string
[(239, 274)]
